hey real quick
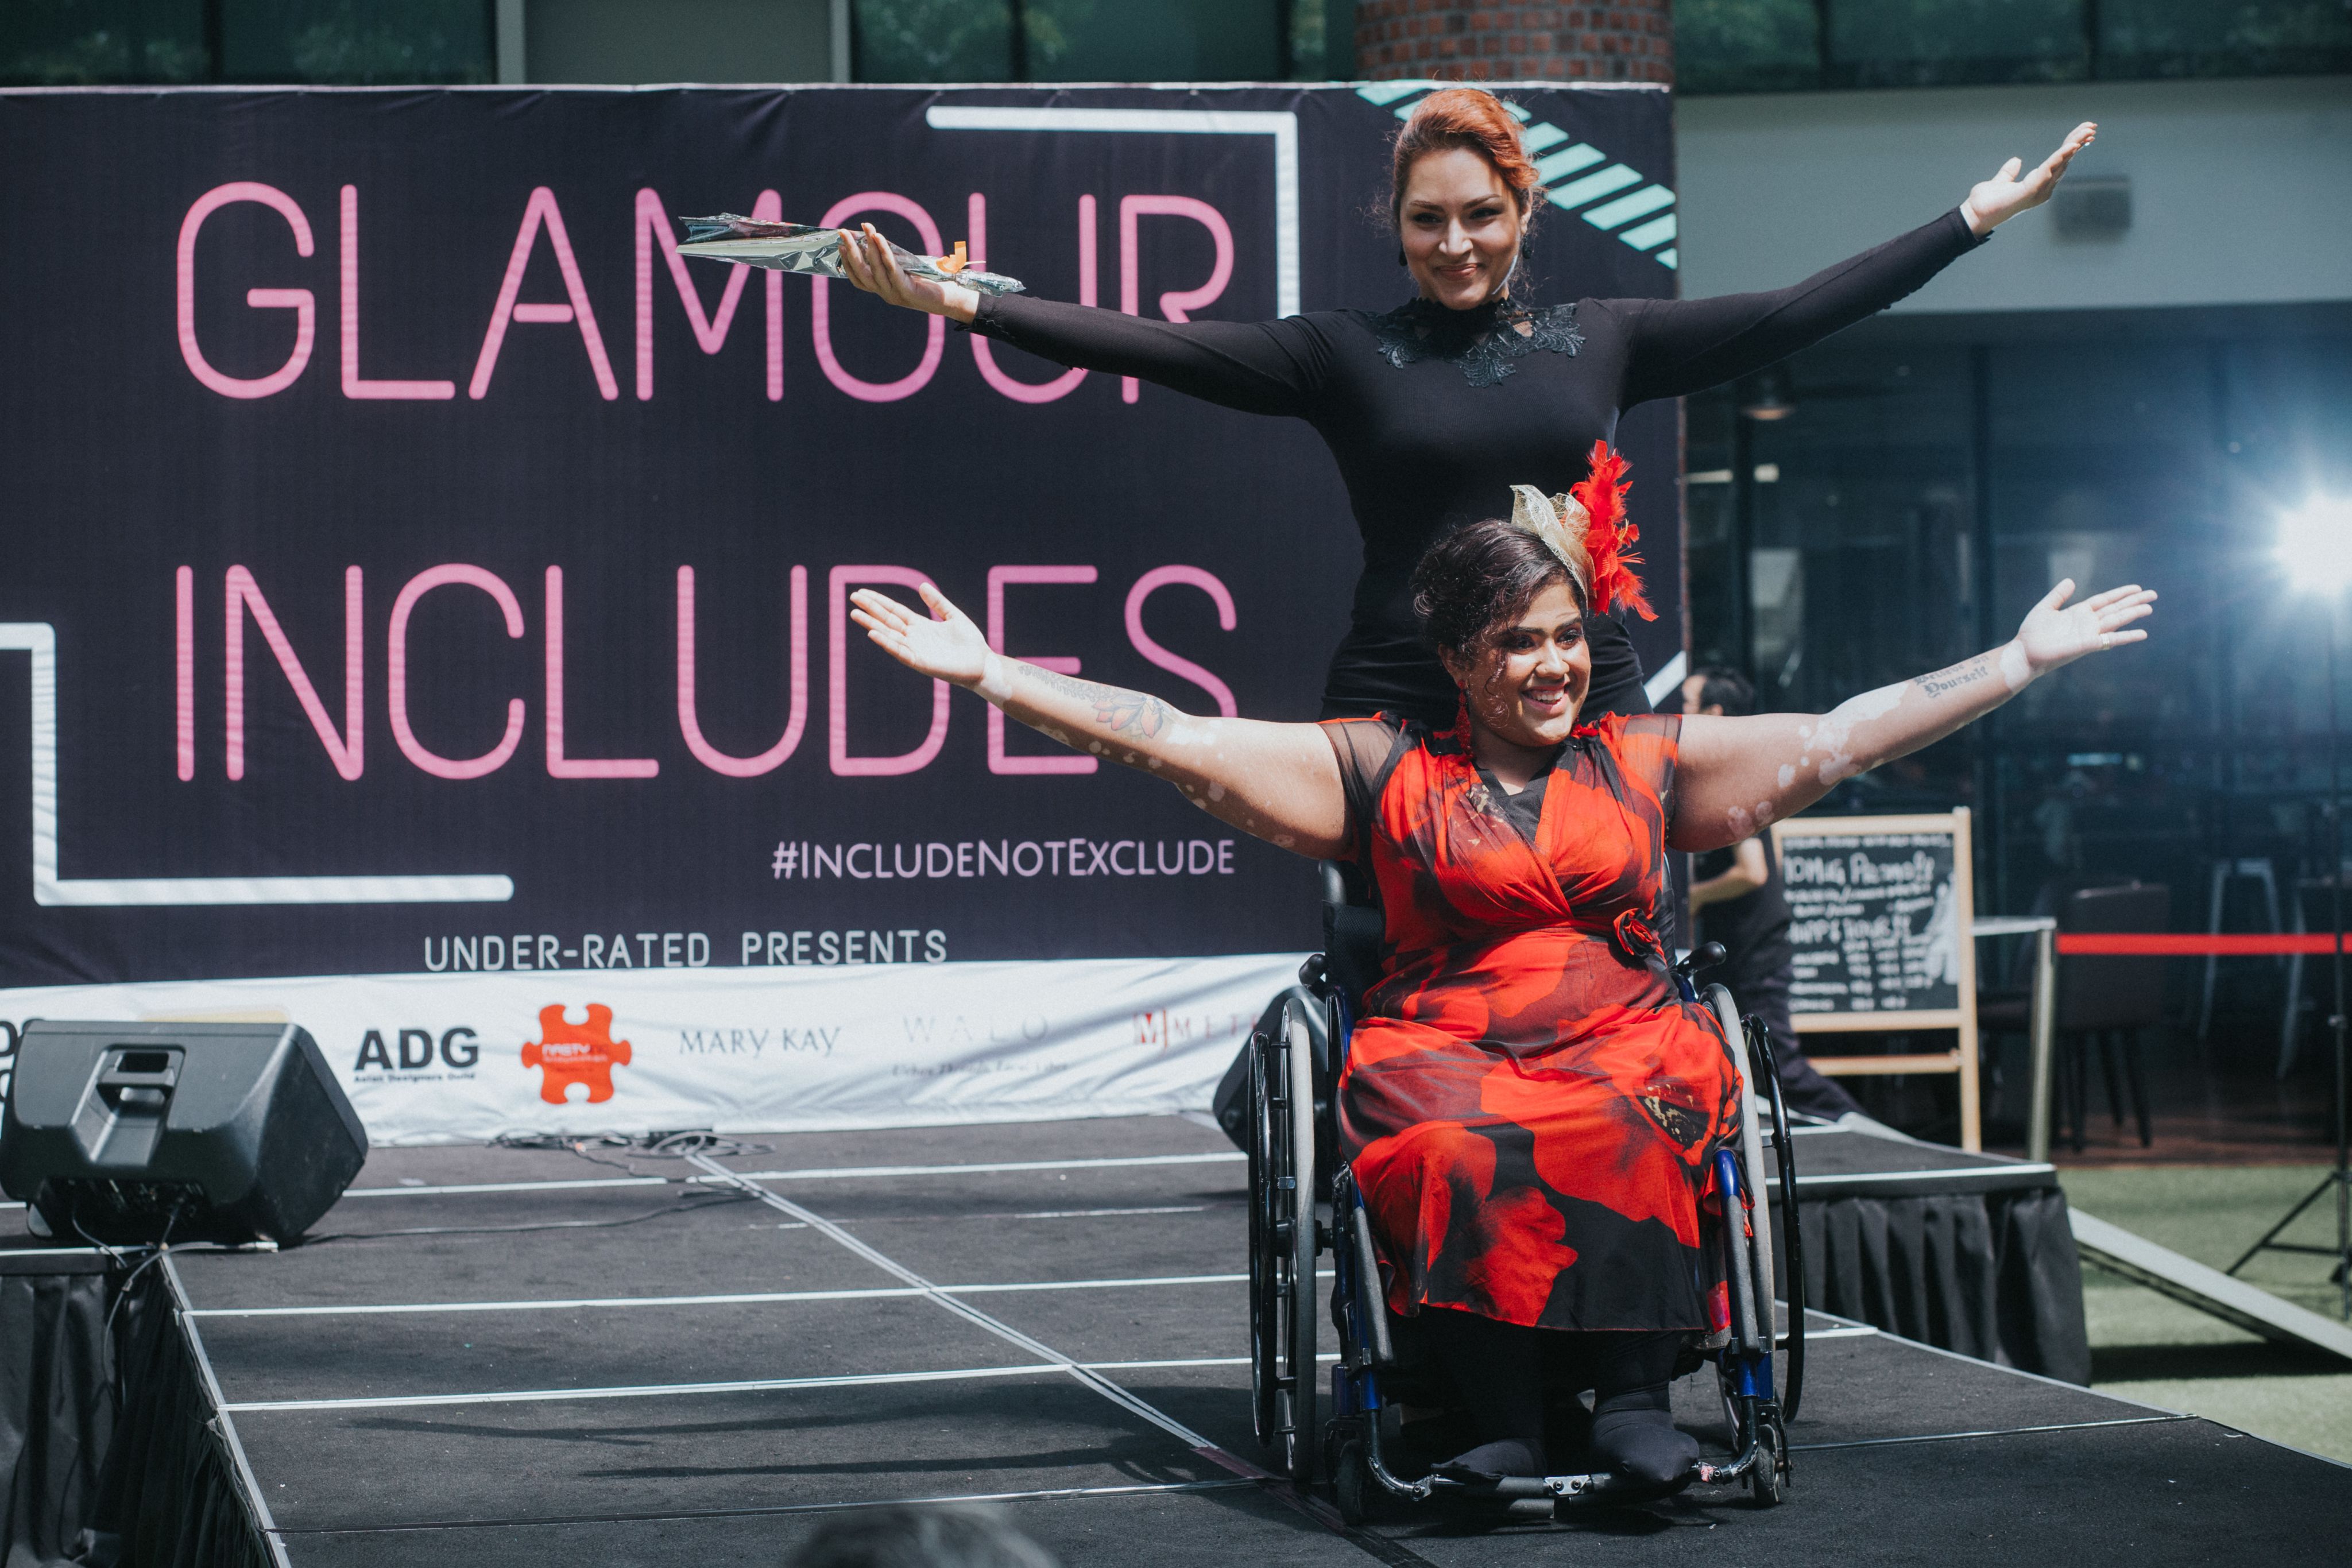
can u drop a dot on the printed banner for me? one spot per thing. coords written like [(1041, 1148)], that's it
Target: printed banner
[(436, 1059), (415, 566)]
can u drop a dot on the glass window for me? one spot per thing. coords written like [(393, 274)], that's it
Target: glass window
[(2245, 37), (2105, 468), (1175, 40), (76, 43), (1088, 40), (1747, 45), (356, 41), (1317, 50), (934, 40), (1859, 493), (1846, 542), (1766, 45), (1907, 43)]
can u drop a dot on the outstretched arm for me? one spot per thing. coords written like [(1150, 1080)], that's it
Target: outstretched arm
[(1258, 367), (1279, 782), (1734, 776), (1683, 346)]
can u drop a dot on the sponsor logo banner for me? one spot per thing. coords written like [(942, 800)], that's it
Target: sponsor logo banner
[(431, 1058)]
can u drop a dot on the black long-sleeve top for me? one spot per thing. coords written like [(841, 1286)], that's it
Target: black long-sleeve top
[(1433, 415)]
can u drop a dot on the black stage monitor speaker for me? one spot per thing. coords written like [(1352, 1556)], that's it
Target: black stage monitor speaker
[(213, 1132)]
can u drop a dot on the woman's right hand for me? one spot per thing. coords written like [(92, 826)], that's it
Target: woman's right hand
[(868, 261), (945, 647), (1993, 203)]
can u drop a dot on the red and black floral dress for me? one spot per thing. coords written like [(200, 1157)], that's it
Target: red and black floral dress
[(1529, 1107)]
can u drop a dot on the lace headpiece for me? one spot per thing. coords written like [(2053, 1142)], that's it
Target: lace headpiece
[(1588, 530)]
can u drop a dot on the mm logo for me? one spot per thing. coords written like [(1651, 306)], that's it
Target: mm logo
[(568, 1053)]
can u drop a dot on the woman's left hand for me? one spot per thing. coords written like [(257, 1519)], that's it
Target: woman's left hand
[(2055, 634), (1996, 201)]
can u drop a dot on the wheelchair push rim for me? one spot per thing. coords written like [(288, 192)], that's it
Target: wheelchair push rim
[(1283, 1239), (1263, 1313), (1767, 1160)]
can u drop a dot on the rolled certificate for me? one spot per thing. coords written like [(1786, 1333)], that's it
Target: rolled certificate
[(803, 247)]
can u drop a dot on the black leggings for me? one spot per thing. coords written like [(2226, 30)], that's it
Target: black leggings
[(1503, 1371)]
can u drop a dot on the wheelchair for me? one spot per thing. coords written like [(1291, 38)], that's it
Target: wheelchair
[(1303, 1204)]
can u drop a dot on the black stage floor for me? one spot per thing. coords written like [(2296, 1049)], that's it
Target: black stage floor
[(702, 1384)]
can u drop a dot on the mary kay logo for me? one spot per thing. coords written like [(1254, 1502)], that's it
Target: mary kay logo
[(567, 1053)]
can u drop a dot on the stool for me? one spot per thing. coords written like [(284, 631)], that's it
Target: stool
[(2258, 869)]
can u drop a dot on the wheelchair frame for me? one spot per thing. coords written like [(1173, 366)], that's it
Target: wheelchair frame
[(1303, 1203)]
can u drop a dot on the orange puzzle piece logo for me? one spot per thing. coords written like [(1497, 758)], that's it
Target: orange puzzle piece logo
[(568, 1053)]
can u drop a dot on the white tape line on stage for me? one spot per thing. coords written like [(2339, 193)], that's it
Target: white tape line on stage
[(749, 1298), (751, 1385), (1991, 1432), (1858, 1177), (580, 1184), (651, 1390), (837, 1173), (973, 1315), (884, 1379), (1048, 1494), (843, 1172)]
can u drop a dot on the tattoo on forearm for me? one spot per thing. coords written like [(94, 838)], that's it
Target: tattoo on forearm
[(1120, 710), (1960, 674)]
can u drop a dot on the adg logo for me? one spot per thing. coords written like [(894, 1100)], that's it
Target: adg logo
[(411, 1052), (567, 1053)]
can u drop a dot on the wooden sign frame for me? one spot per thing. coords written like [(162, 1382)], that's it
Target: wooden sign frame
[(1961, 1059)]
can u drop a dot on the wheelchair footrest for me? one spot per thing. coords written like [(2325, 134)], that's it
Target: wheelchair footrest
[(1526, 1488)]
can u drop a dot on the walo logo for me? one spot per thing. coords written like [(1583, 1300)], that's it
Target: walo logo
[(567, 1053)]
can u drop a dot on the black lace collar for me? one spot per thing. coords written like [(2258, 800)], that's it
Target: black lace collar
[(1482, 341)]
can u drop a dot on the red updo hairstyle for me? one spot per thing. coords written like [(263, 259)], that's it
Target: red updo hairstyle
[(1471, 118)]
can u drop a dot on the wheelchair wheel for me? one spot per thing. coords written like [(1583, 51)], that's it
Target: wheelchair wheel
[(1283, 1305), (1761, 1112), (1264, 1195), (1351, 1484), (1792, 1383), (1752, 1168), (1297, 1421), (1766, 1481)]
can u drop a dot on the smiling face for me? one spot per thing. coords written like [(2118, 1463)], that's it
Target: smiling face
[(1460, 226), (1528, 677)]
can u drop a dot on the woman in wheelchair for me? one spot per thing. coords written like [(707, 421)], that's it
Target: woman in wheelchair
[(1530, 1108)]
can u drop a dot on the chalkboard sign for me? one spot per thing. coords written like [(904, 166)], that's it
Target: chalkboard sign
[(1879, 912), (1872, 919)]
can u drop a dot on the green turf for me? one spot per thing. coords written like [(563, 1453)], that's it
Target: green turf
[(2146, 1347)]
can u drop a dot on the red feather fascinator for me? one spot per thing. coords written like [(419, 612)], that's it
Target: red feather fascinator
[(1608, 535)]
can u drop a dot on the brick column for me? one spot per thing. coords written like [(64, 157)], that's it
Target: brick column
[(1505, 40)]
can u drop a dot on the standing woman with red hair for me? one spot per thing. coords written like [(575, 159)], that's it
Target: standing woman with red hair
[(1435, 409)]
